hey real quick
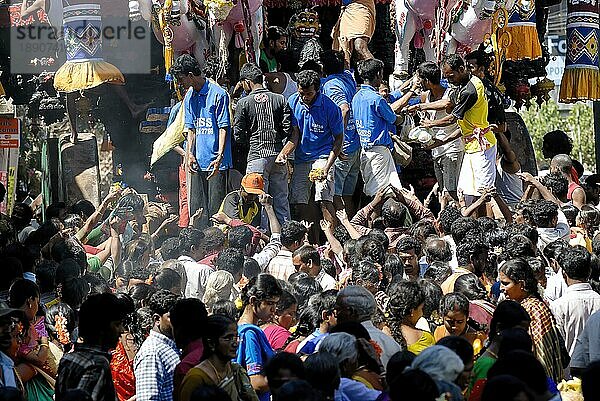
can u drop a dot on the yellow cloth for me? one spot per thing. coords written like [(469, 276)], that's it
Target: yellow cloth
[(476, 117), (172, 137), (448, 284), (580, 84), (475, 338), (425, 341), (525, 43), (357, 20), (77, 76)]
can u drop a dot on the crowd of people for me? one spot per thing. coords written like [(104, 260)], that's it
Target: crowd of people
[(485, 290)]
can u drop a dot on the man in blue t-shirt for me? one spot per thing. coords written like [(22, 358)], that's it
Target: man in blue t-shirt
[(340, 86), (375, 120), (317, 136), (208, 145)]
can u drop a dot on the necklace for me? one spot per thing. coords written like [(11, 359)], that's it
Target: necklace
[(219, 378)]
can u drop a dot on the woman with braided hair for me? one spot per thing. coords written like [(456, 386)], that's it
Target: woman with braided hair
[(405, 308)]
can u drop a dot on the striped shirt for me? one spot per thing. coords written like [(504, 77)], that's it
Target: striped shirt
[(262, 121)]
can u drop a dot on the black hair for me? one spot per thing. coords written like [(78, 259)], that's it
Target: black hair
[(461, 347), (76, 394), (430, 71), (304, 288), (251, 268), (166, 279), (297, 390), (333, 62), (21, 216), (20, 291), (84, 208), (365, 272), (487, 224), (556, 183), (286, 300), (469, 285), (438, 272), (413, 384), (558, 142), (575, 263), (422, 230), (251, 72), (393, 266), (189, 320), (275, 33), (480, 57), (544, 212), (96, 314), (369, 69), (239, 237), (433, 294), (69, 249), (170, 248), (505, 387), (328, 266), (45, 273), (524, 366), (514, 338), (307, 78), (519, 270), (454, 61), (308, 253), (141, 293), (97, 283), (322, 371), (341, 234), (594, 279), (523, 229), (209, 393), (189, 237), (398, 364), (54, 209), (66, 319), (405, 296), (214, 239), (508, 314), (371, 249), (448, 216), (184, 65), (379, 235), (231, 260), (518, 246), (407, 243), (462, 227), (135, 250), (73, 221), (454, 301), (225, 307), (319, 303), (395, 214), (162, 301), (471, 246), (283, 360), (263, 287), (291, 232), (438, 254)]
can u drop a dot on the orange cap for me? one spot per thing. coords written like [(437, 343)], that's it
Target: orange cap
[(253, 184)]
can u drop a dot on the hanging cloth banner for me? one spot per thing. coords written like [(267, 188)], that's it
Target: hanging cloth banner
[(521, 26), (581, 80)]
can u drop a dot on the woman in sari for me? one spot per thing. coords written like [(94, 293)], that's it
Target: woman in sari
[(217, 369), (517, 282), (405, 309), (36, 365), (278, 330), (454, 309)]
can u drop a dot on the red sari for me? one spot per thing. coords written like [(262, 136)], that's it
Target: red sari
[(122, 373)]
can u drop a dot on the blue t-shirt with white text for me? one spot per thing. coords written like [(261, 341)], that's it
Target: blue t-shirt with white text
[(206, 111), (341, 88), (319, 124), (374, 118)]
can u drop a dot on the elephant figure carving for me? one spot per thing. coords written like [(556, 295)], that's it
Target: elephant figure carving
[(441, 27)]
